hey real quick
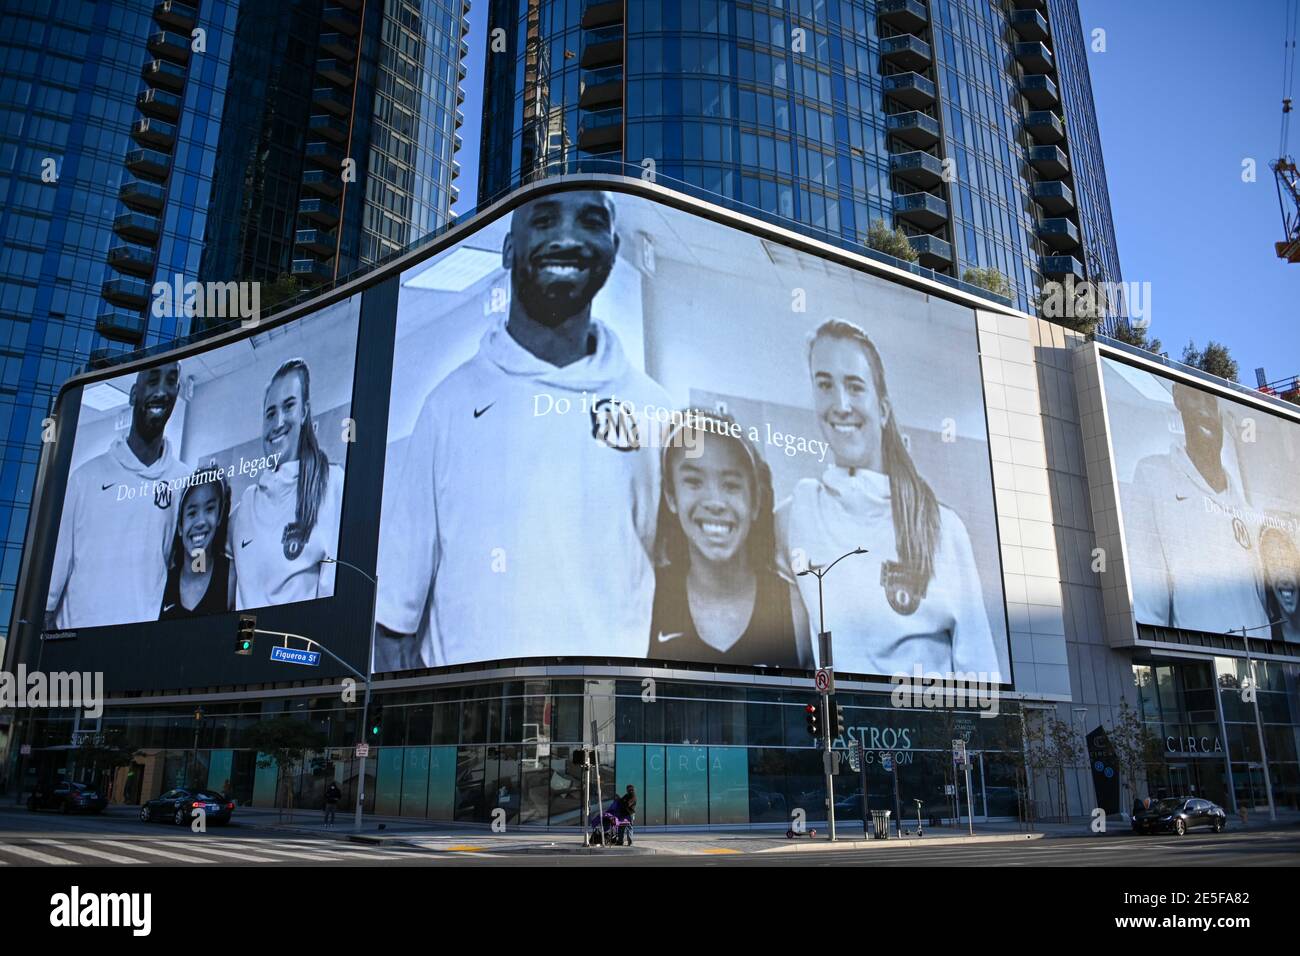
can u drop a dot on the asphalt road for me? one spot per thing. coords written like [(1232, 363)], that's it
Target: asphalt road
[(50, 839)]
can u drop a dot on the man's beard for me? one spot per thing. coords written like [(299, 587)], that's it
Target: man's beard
[(553, 310), (143, 425)]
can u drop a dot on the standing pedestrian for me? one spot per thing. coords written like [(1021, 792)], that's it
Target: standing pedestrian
[(332, 797)]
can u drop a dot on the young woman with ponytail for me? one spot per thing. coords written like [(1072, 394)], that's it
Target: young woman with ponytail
[(915, 597), (288, 521)]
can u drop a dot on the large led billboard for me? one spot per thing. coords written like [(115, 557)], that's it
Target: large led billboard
[(210, 483), (1209, 503), (617, 429)]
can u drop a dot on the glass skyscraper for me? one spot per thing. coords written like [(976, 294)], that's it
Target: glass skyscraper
[(967, 124), (144, 139)]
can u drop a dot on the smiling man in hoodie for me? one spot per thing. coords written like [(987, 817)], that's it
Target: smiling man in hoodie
[(518, 529), (110, 561)]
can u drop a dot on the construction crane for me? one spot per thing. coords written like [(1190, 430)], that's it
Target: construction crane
[(1284, 167)]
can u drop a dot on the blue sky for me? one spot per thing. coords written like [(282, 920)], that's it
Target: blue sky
[(1185, 91)]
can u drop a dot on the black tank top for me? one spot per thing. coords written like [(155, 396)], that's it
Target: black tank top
[(215, 599), (769, 638)]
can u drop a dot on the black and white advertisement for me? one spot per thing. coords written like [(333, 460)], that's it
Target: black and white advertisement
[(1210, 506), (621, 430), (210, 484)]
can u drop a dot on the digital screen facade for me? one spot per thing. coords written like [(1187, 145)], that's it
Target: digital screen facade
[(617, 429), (210, 483), (1210, 505)]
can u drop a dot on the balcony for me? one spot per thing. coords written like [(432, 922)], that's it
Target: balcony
[(1029, 4), (170, 46), (1058, 267), (914, 128), (312, 271), (905, 52), (933, 252), (1044, 126), (601, 131), (321, 242), (142, 196), (154, 132), (128, 293), (335, 71), (176, 15), (340, 19), (1040, 90), (160, 103), (917, 168), (148, 162), (601, 89), (1054, 197), (924, 210), (602, 47), (599, 14), (910, 89), (1029, 25), (1059, 235), (137, 226), (339, 45), (320, 211), (127, 257), (121, 325), (328, 127), (1049, 161), (164, 74), (905, 15), (324, 154), (1034, 57), (322, 182), (329, 98)]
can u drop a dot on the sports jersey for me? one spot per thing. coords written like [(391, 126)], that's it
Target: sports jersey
[(1193, 552), (768, 640), (522, 519), (264, 574), (879, 623), (110, 560)]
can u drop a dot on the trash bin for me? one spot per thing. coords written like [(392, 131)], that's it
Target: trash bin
[(880, 824)]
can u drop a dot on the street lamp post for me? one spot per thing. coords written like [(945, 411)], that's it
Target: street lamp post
[(1259, 723), (828, 662), (370, 676)]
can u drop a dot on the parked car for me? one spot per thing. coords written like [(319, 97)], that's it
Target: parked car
[(179, 806), (1180, 814), (67, 797)]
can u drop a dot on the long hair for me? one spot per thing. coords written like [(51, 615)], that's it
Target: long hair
[(912, 501), (202, 476), (670, 541), (313, 464)]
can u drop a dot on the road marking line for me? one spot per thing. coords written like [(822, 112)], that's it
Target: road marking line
[(89, 851), (350, 849), (143, 848), (247, 857), (38, 856), (718, 849)]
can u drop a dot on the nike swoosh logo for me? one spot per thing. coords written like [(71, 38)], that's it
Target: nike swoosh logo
[(665, 638), (480, 411), (106, 487), (168, 607), (245, 544), (1180, 497)]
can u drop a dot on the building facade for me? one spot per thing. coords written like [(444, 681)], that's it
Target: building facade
[(216, 141), (968, 125), (1052, 469)]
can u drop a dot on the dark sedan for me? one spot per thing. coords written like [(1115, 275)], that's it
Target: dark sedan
[(1180, 814), (67, 798), (181, 805)]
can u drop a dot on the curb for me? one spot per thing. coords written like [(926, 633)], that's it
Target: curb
[(813, 847)]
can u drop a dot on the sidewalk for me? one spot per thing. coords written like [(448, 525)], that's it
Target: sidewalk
[(477, 838)]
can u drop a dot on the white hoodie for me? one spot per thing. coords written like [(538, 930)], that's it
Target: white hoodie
[(110, 562), (512, 528), (947, 633)]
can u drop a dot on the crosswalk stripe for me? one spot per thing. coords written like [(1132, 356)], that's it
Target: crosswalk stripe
[(247, 857), (89, 851), (151, 851), (36, 855), (329, 852), (293, 854), (335, 847)]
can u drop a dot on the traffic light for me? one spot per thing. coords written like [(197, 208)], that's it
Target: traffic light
[(836, 721), (813, 718), (244, 639), (376, 728)]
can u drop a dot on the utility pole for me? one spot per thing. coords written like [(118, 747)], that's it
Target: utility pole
[(826, 661)]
